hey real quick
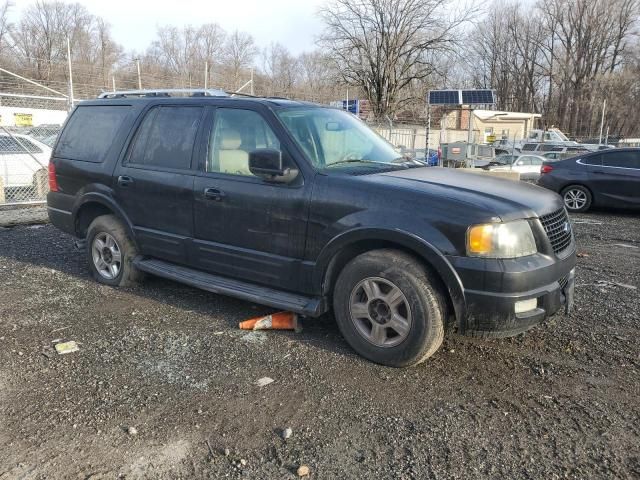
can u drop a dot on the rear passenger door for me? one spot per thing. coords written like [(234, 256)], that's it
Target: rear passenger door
[(154, 183), (617, 179)]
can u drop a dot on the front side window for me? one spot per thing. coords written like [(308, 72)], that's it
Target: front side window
[(529, 147), (166, 137), (235, 134), (333, 138)]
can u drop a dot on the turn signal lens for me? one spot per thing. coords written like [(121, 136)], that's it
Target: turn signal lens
[(481, 239)]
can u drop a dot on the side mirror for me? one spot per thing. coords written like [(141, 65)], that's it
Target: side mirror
[(267, 164)]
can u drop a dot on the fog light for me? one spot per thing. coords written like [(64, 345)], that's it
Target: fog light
[(526, 305)]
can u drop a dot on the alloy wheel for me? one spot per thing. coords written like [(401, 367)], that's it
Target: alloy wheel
[(575, 199), (380, 312), (107, 256)]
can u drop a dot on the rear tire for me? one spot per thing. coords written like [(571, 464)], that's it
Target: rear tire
[(576, 198), (110, 253), (389, 308)]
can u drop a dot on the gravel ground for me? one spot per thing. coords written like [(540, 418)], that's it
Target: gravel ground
[(162, 370), (23, 215)]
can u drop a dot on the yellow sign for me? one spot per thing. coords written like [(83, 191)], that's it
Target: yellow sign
[(491, 138), (23, 119)]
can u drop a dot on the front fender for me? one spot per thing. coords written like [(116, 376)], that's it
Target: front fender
[(430, 254)]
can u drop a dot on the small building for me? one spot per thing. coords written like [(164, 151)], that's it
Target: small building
[(487, 125)]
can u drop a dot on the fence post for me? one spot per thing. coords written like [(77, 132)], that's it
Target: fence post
[(1, 190), (41, 183), (428, 132)]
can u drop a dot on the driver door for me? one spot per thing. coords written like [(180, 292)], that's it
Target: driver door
[(246, 227)]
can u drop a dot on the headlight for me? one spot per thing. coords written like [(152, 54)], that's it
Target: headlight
[(501, 240)]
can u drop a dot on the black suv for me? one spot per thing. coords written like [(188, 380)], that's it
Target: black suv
[(304, 208)]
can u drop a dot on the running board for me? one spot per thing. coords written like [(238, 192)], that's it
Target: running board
[(309, 306)]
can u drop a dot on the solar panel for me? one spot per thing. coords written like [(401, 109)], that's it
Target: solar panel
[(477, 97), (444, 97)]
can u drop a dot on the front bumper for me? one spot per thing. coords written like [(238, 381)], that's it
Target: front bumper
[(492, 293)]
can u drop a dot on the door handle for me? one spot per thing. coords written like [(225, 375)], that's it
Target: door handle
[(125, 180), (214, 194)]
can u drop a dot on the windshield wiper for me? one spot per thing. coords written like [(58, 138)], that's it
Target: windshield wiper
[(409, 162), (351, 160)]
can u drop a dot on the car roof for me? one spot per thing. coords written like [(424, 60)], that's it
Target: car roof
[(609, 150), (203, 100)]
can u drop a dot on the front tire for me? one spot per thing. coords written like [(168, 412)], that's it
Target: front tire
[(389, 309), (577, 198), (111, 252)]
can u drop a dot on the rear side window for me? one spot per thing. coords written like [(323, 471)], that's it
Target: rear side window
[(621, 159), (545, 147), (166, 137), (90, 132), (529, 147)]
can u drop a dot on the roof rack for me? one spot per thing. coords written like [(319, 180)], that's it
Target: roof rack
[(170, 92)]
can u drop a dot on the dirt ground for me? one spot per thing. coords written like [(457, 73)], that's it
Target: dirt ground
[(162, 370)]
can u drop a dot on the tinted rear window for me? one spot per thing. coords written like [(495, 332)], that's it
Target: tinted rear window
[(90, 132), (621, 159), (166, 137)]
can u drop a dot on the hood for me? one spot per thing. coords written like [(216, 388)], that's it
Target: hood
[(507, 199)]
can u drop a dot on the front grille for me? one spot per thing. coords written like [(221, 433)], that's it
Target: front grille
[(558, 229), (563, 282)]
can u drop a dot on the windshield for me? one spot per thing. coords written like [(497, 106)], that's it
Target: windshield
[(333, 138)]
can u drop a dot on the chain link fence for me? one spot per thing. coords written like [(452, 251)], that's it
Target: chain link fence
[(24, 158)]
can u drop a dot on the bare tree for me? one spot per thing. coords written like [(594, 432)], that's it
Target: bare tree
[(239, 53), (39, 43), (561, 58), (383, 46), (281, 69), (183, 52), (4, 24), (590, 36)]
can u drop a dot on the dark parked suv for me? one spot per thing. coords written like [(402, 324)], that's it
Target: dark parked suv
[(304, 208)]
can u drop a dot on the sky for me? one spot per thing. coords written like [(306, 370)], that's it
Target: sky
[(293, 23)]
